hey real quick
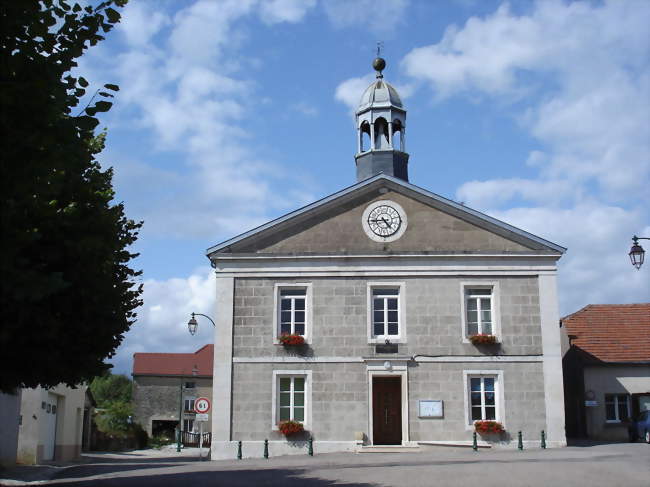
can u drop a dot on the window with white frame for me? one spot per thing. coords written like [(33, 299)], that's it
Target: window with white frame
[(482, 392), (479, 313), (189, 404), (385, 312), (291, 398), (293, 312), (188, 425), (617, 407)]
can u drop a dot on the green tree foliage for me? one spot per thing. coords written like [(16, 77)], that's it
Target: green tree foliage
[(111, 388), (113, 396), (68, 293)]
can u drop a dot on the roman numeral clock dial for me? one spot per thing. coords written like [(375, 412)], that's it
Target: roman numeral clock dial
[(384, 221)]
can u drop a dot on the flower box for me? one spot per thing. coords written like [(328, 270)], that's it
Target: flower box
[(288, 428), (488, 427), (290, 340), (483, 339)]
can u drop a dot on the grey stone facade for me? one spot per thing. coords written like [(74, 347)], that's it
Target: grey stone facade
[(432, 316)]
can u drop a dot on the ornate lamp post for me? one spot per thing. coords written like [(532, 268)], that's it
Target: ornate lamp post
[(636, 252), (192, 325)]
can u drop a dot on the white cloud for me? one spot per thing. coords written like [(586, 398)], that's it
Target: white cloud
[(581, 71), (379, 17), (162, 321), (350, 90), (139, 24), (276, 11)]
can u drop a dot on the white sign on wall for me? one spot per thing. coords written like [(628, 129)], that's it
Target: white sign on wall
[(201, 417), (430, 408)]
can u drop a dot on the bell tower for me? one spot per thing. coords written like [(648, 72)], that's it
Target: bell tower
[(381, 121)]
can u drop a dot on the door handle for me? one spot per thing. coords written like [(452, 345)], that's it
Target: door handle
[(386, 415)]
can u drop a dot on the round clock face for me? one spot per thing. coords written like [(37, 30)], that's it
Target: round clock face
[(384, 221)]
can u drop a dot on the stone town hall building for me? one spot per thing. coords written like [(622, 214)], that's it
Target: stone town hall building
[(386, 282)]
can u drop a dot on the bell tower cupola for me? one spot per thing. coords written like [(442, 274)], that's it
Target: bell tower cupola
[(381, 121)]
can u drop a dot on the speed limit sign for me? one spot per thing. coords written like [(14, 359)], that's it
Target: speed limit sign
[(202, 405)]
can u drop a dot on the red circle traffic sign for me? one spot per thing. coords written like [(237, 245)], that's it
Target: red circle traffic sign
[(202, 405)]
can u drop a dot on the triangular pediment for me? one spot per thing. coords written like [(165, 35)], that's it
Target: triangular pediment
[(334, 225)]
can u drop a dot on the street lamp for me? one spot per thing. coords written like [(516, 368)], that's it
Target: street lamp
[(636, 252), (192, 325), (195, 371)]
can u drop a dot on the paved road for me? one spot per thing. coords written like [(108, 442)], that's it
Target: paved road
[(624, 465)]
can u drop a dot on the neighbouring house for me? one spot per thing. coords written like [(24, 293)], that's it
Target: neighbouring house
[(9, 423), (606, 369), (419, 317), (51, 424), (166, 384)]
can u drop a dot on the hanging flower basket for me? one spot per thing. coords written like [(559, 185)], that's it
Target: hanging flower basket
[(483, 339), (488, 427), (289, 428), (290, 340)]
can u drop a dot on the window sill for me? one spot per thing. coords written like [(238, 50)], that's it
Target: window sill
[(382, 341)]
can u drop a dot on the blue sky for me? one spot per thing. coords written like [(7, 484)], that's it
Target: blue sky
[(232, 113)]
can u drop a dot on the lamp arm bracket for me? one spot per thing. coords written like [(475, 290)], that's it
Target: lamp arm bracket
[(205, 316)]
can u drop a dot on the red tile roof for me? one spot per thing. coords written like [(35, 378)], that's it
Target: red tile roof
[(175, 363), (612, 332)]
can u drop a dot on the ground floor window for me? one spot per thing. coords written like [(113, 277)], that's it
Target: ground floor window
[(482, 398), (617, 407), (188, 425), (292, 399)]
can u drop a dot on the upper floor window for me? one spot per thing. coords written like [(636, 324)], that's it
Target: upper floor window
[(189, 404), (479, 311), (617, 407), (292, 310), (386, 312), (190, 385)]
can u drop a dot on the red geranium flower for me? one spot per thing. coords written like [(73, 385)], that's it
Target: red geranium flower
[(288, 428), (487, 427), (483, 339), (291, 340)]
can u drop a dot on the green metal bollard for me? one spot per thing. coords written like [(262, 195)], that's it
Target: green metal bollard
[(311, 447), (520, 442), (474, 442), (266, 448), (239, 450), (543, 439)]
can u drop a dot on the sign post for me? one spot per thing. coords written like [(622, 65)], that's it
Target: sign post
[(201, 407)]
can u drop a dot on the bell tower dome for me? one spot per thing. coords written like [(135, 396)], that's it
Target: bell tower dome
[(381, 121)]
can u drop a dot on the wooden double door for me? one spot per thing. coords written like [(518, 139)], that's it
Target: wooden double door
[(387, 410)]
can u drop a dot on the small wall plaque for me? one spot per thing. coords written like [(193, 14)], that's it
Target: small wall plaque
[(591, 403), (430, 408), (386, 348)]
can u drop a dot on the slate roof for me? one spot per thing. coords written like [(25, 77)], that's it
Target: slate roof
[(611, 332), (175, 364)]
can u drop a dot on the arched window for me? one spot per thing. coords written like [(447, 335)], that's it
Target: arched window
[(381, 134), (398, 135), (364, 134)]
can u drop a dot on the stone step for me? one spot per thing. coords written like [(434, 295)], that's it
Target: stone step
[(389, 449)]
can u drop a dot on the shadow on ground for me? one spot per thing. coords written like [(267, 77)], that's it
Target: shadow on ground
[(232, 478)]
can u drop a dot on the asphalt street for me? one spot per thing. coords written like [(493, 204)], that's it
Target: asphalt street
[(611, 465)]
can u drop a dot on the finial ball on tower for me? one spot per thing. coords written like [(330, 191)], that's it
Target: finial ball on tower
[(379, 64)]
